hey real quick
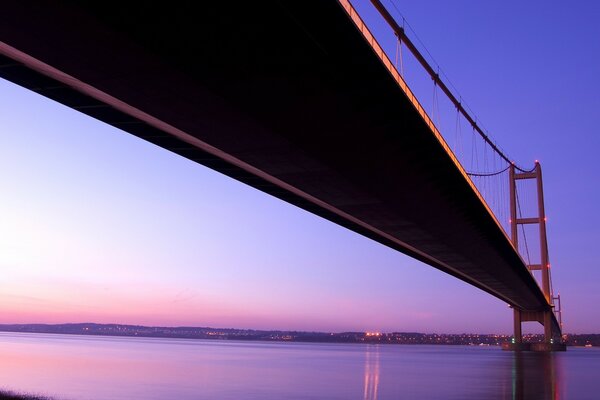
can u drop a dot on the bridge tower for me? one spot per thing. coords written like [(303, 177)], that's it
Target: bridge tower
[(552, 338)]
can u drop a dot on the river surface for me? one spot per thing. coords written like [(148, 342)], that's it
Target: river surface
[(93, 367)]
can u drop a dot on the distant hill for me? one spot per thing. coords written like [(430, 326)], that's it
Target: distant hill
[(187, 332)]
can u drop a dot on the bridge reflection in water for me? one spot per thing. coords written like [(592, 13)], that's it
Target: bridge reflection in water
[(536, 376), (488, 374)]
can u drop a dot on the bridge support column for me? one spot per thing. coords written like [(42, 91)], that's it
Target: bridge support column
[(518, 331), (548, 337), (516, 343), (552, 338)]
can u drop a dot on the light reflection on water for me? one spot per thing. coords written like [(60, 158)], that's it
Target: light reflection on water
[(88, 367), (371, 372)]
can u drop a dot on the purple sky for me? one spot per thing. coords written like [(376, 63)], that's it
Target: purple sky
[(98, 225)]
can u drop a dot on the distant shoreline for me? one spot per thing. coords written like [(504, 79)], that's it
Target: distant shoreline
[(123, 330)]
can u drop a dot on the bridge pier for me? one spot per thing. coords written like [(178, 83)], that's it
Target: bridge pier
[(552, 336)]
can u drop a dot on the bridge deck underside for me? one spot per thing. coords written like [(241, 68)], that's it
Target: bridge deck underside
[(290, 88)]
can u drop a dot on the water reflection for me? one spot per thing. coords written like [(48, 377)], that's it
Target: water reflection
[(536, 376), (110, 368), (371, 372)]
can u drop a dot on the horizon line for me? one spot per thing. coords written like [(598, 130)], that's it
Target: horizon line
[(277, 330)]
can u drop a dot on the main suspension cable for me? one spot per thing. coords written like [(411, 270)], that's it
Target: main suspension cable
[(489, 173), (435, 76)]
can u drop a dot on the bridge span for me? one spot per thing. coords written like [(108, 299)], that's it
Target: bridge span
[(291, 98)]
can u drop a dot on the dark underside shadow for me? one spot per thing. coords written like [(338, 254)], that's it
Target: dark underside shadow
[(15, 396)]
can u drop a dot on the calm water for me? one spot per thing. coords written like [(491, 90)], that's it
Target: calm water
[(88, 367)]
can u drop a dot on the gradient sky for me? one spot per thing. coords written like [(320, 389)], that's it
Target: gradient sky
[(97, 225)]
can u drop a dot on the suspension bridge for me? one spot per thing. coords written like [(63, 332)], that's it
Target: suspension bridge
[(301, 101)]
